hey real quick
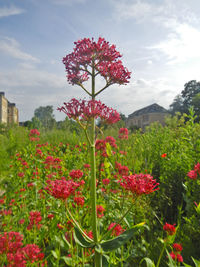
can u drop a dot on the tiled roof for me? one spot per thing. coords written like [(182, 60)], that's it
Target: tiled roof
[(154, 108)]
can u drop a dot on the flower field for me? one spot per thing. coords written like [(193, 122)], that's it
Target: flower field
[(34, 217), (101, 195)]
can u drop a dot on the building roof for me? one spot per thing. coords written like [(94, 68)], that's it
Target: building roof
[(154, 108)]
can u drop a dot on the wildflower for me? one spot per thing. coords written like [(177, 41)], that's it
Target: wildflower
[(117, 230), (105, 56), (197, 168), (21, 221), (60, 226), (123, 133), (21, 174), (34, 132), (106, 181), (35, 218), (100, 211), (79, 110), (76, 174), (10, 242), (139, 184), (164, 155), (169, 228), (61, 189), (79, 201), (192, 174), (177, 247), (32, 253)]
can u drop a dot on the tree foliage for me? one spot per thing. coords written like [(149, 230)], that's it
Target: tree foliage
[(189, 96), (43, 116)]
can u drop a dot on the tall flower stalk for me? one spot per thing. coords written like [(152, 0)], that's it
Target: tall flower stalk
[(90, 59)]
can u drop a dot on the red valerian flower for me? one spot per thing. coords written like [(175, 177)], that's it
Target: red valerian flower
[(164, 155), (177, 247), (192, 174), (123, 133), (32, 253), (100, 211), (177, 257), (117, 230), (79, 201), (61, 189), (197, 168), (35, 217), (76, 174), (139, 184), (10, 242), (85, 110), (34, 132), (169, 228), (101, 56)]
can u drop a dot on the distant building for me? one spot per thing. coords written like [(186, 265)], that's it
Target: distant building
[(8, 112), (145, 116)]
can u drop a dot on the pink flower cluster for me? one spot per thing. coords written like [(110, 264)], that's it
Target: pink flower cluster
[(175, 254), (85, 110), (33, 134), (61, 189), (117, 230), (35, 217), (100, 145), (193, 174), (18, 256), (76, 174), (139, 184), (169, 228), (100, 55), (123, 133)]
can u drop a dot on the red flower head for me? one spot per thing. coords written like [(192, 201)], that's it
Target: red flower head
[(169, 228), (192, 174), (177, 247), (164, 155), (123, 133), (100, 211), (85, 110), (61, 189), (104, 58), (117, 230), (76, 174), (139, 184)]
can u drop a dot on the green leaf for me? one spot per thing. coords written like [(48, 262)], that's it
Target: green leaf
[(80, 239), (197, 262), (68, 261), (149, 262), (119, 241), (55, 253), (187, 265)]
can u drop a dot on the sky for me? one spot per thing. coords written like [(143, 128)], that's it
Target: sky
[(159, 41)]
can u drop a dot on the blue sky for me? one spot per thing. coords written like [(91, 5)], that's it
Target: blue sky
[(159, 40)]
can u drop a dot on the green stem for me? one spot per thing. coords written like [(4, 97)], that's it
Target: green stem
[(161, 254), (93, 196)]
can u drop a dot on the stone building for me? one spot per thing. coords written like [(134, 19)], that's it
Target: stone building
[(8, 111), (145, 116)]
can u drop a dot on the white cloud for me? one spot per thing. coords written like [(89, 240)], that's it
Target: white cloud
[(143, 11), (12, 48), (181, 45), (10, 11)]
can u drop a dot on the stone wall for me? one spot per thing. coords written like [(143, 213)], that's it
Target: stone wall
[(8, 111), (3, 108)]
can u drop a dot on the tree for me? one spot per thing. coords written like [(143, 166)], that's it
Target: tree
[(190, 90), (177, 105), (45, 116), (186, 99)]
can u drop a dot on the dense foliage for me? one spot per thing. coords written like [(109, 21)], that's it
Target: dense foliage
[(168, 153)]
